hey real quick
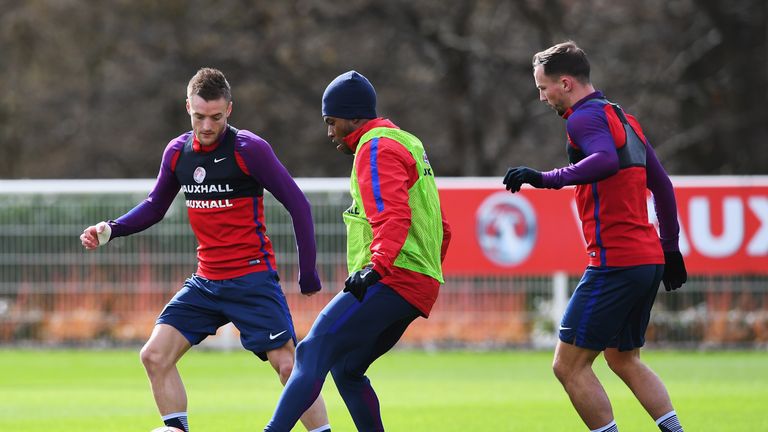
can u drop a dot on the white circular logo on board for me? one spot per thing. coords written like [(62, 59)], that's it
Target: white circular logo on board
[(199, 174), (506, 228)]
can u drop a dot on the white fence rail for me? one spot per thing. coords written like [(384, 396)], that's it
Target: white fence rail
[(53, 292)]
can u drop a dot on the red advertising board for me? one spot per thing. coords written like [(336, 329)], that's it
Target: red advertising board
[(723, 227)]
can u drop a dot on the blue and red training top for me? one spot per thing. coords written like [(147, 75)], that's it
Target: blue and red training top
[(612, 165), (224, 189), (387, 176)]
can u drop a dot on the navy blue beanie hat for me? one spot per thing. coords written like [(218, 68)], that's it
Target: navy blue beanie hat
[(350, 96)]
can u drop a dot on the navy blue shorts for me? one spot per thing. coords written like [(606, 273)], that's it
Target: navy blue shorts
[(611, 307), (254, 303)]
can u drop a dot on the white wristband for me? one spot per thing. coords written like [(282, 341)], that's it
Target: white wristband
[(103, 232)]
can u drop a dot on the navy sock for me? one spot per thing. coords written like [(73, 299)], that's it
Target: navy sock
[(669, 423), (177, 420), (610, 427)]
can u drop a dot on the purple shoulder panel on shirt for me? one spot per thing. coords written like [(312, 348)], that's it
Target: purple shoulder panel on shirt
[(588, 128), (151, 210), (263, 165), (664, 201)]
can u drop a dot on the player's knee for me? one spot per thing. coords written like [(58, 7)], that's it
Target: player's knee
[(153, 360), (284, 369), (621, 365), (616, 366), (562, 370), (343, 377), (307, 346), (312, 356), (339, 373)]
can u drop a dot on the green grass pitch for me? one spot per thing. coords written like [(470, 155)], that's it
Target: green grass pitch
[(444, 391)]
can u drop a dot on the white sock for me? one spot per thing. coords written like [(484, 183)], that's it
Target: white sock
[(610, 427), (322, 428)]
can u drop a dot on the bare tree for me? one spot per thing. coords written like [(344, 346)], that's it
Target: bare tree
[(96, 89)]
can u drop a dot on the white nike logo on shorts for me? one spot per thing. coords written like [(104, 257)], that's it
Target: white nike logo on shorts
[(218, 160), (274, 336)]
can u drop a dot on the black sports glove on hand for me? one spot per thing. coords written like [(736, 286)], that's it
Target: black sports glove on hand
[(518, 175), (674, 271), (358, 282)]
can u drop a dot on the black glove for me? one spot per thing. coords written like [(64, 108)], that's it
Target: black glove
[(518, 175), (358, 282), (674, 271)]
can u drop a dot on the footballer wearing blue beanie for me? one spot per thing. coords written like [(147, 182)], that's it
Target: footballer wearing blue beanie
[(350, 96)]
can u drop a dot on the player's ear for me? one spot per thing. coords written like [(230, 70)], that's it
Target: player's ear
[(188, 108), (566, 82), (229, 108)]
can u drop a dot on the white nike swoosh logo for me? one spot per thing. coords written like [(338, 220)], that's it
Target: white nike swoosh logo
[(273, 336), (564, 328), (218, 160)]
